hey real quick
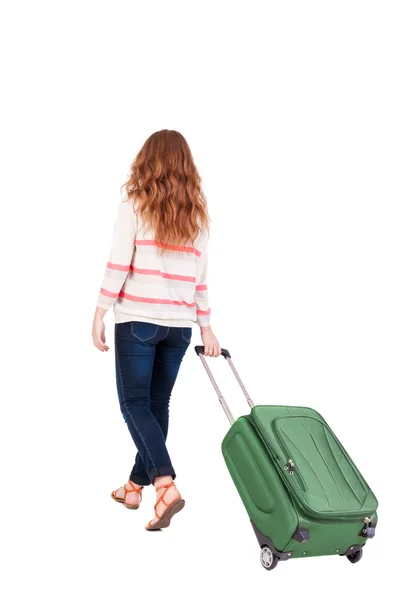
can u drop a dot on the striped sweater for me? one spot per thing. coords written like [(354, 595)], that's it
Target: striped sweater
[(143, 284)]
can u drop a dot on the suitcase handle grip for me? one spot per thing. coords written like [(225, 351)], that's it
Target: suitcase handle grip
[(200, 350), (225, 353)]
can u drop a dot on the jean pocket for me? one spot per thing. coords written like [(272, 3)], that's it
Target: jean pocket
[(186, 334), (144, 332)]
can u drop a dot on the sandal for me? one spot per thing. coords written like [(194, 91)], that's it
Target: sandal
[(138, 490), (172, 509)]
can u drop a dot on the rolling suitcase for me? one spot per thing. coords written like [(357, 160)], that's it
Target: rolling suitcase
[(303, 493)]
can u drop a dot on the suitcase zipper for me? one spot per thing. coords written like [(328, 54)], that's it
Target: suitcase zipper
[(290, 466)]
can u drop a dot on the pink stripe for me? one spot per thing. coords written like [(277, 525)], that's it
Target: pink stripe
[(161, 274), (109, 294), (201, 288), (203, 312), (156, 300), (188, 249), (115, 267)]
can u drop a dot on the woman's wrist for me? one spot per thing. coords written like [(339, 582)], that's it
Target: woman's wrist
[(99, 313)]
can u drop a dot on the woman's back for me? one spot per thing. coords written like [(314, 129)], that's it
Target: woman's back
[(146, 280), (158, 263)]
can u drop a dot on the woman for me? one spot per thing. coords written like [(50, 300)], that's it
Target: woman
[(156, 282)]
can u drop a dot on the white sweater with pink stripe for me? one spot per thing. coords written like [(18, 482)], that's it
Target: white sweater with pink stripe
[(143, 284)]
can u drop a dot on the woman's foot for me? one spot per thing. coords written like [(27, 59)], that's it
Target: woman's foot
[(168, 503), (130, 495)]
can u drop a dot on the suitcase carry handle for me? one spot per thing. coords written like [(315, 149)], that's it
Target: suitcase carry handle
[(225, 353), (200, 350)]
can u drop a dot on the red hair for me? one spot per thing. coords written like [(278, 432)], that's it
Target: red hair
[(165, 188)]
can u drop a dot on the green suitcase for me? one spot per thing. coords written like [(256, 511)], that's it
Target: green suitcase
[(303, 493)]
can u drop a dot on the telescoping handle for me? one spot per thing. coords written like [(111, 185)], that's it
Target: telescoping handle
[(225, 353)]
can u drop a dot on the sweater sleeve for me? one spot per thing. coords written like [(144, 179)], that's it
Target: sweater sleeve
[(118, 266), (203, 310)]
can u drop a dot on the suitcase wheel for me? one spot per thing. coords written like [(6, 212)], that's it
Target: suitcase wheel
[(268, 558), (356, 557)]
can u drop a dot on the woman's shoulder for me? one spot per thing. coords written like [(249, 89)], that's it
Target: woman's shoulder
[(126, 214), (127, 205), (202, 238)]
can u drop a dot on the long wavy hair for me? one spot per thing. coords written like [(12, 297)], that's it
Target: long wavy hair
[(165, 188)]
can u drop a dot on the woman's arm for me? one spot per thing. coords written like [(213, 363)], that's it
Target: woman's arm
[(203, 311), (117, 270)]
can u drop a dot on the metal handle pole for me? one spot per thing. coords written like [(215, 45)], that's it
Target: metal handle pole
[(220, 396), (240, 382)]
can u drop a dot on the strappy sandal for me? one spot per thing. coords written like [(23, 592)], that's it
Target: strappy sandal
[(172, 509), (138, 490)]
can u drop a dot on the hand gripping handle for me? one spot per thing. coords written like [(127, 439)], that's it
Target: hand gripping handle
[(225, 353), (200, 350)]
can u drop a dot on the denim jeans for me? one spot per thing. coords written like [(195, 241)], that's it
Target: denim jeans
[(147, 359)]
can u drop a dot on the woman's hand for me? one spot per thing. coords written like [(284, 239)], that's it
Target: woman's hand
[(98, 330), (210, 342)]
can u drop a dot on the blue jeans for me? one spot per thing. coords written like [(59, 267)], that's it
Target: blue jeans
[(147, 359)]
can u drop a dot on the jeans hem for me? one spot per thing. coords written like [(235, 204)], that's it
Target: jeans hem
[(161, 472), (139, 480)]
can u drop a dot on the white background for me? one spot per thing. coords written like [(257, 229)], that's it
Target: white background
[(292, 113)]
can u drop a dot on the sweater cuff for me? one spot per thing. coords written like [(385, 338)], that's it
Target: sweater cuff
[(104, 302), (103, 306), (203, 321)]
